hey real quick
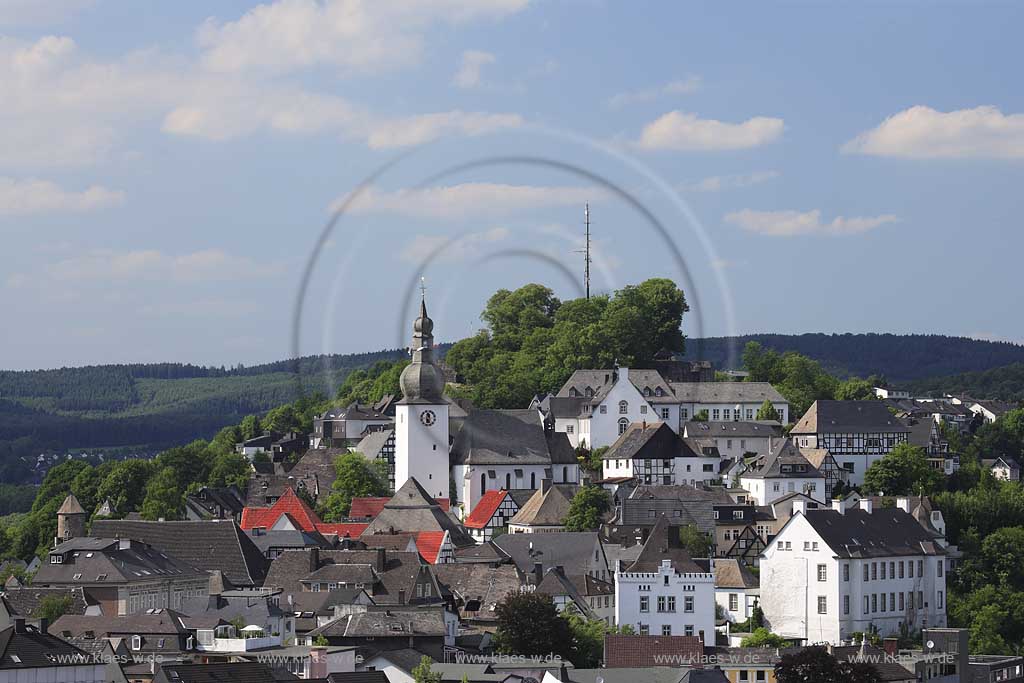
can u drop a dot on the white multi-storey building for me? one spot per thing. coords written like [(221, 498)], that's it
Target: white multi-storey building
[(783, 471), (856, 433), (666, 592), (594, 407), (653, 454), (737, 590), (734, 439), (832, 572)]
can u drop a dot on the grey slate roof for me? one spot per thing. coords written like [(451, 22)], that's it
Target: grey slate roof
[(600, 382), (649, 441), (547, 507), (35, 650), (784, 461), (883, 532), (841, 417), (481, 583), (374, 442), (236, 672), (103, 560), (391, 622), (731, 573), (412, 509), (503, 437), (726, 392), (681, 505), (570, 549), (25, 602), (734, 430), (206, 545), (664, 544), (272, 538)]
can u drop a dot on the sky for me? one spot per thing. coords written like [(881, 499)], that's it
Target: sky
[(277, 178)]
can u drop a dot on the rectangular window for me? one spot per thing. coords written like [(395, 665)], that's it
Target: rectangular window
[(822, 604), (643, 410), (883, 570), (883, 602), (645, 630), (846, 604), (892, 602), (664, 413), (910, 600), (684, 413), (901, 569), (666, 630), (661, 603), (920, 599), (920, 568), (688, 603), (902, 603), (568, 429), (671, 603), (688, 630), (892, 570), (822, 572), (734, 602), (938, 568), (874, 571), (716, 415), (940, 599), (645, 603), (866, 605), (910, 568), (874, 603), (846, 571), (866, 578)]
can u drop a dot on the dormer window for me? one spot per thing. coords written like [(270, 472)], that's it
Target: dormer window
[(659, 392), (136, 642), (573, 393), (588, 392), (647, 391)]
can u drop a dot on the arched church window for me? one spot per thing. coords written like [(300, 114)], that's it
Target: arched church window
[(623, 425), (565, 475), (623, 407), (483, 483), (508, 481), (533, 480)]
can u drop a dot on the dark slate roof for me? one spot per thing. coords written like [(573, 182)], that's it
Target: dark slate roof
[(734, 430), (89, 560), (502, 437), (649, 441), (681, 504), (785, 460), (841, 417), (236, 672), (391, 622), (206, 545), (271, 538), (570, 549), (556, 583), (600, 382), (664, 544), (566, 406), (883, 532), (35, 650), (479, 582), (314, 470), (25, 602), (887, 668), (412, 509), (358, 677), (372, 443)]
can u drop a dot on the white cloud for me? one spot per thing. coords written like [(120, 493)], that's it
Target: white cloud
[(678, 87), (458, 248), (422, 128), (63, 108), (924, 133), (471, 199), (685, 132), (355, 36), (20, 197), (727, 182), (473, 62), (790, 223)]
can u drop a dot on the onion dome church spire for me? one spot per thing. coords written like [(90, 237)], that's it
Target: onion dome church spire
[(422, 381)]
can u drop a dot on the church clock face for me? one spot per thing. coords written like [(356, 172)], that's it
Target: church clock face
[(427, 417)]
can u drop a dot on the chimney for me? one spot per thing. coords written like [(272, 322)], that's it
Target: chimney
[(538, 572), (19, 626), (624, 373), (382, 557), (891, 646), (545, 485), (44, 625), (839, 505), (124, 544), (799, 506), (903, 503), (314, 559), (866, 505), (401, 597), (318, 662)]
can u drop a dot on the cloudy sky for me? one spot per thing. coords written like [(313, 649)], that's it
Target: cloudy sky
[(167, 175)]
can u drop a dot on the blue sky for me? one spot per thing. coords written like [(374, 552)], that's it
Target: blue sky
[(165, 173)]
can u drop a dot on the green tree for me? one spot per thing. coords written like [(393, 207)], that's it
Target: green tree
[(251, 427), (695, 541), (855, 389), (424, 673), (587, 648), (762, 637), (700, 416), (768, 412), (356, 479), (904, 470), (230, 469), (587, 509), (164, 498), (816, 664), (125, 485), (529, 624), (53, 607)]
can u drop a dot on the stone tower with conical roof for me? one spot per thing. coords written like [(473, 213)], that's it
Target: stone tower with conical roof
[(70, 519), (421, 417)]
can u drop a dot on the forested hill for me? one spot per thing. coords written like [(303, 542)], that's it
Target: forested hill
[(899, 358)]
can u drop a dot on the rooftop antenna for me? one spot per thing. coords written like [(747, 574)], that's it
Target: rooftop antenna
[(586, 250)]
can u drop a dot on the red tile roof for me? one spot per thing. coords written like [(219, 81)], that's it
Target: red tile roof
[(485, 509), (428, 543), (289, 504), (641, 651), (369, 508), (343, 529)]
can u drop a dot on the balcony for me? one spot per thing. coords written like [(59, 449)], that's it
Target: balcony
[(226, 639)]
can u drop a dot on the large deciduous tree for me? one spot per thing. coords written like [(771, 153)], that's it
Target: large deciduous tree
[(903, 471), (529, 624), (587, 509), (356, 479)]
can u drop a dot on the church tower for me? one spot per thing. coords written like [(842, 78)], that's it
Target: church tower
[(421, 417)]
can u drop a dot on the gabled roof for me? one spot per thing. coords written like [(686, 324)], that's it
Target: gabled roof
[(412, 509), (734, 430), (374, 442), (504, 437), (104, 560), (391, 622), (784, 461), (206, 545), (482, 583), (288, 504), (664, 544), (547, 507), (485, 509), (26, 601), (236, 672), (884, 532), (649, 441), (29, 648), (841, 417), (731, 573), (368, 508), (556, 583), (726, 392), (570, 549)]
